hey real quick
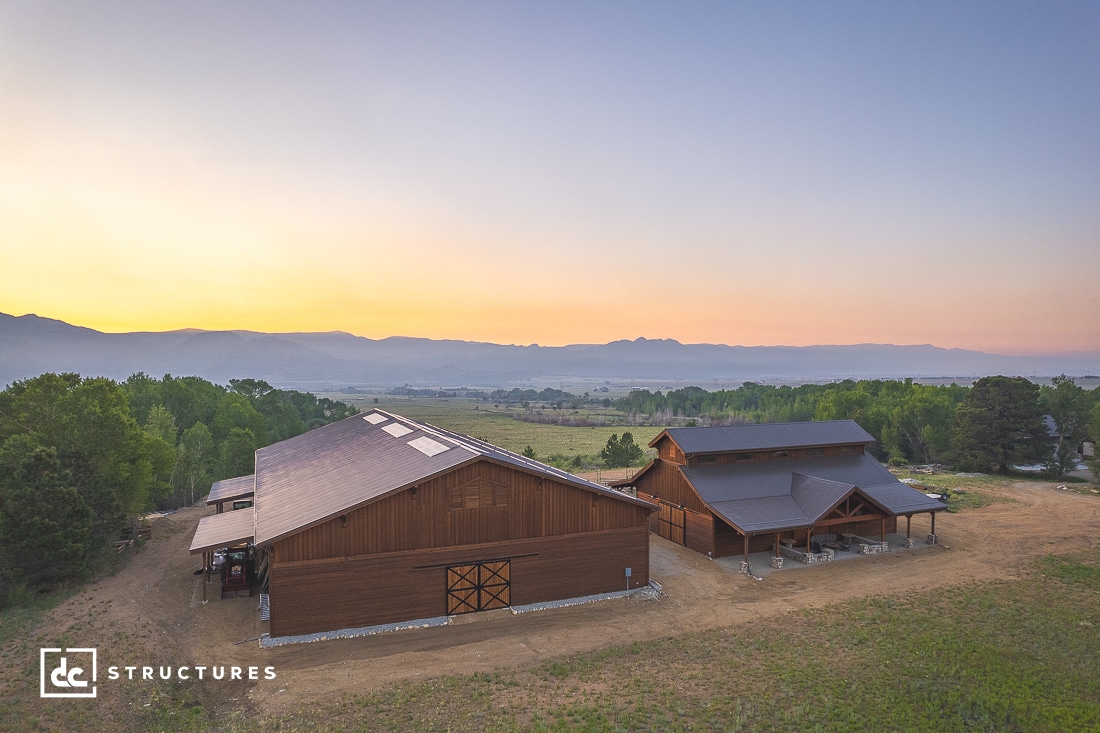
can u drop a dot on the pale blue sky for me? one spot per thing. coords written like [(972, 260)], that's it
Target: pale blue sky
[(756, 173)]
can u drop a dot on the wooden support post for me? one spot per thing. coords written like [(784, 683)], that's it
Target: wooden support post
[(908, 525), (882, 530), (777, 544), (809, 531), (933, 523), (746, 548), (205, 573)]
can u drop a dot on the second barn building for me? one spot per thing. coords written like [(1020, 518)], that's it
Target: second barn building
[(733, 490)]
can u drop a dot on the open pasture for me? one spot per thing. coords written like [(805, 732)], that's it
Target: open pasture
[(498, 424)]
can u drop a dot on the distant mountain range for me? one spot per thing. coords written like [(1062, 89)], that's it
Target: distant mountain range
[(30, 345)]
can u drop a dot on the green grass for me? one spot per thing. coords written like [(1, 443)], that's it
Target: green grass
[(973, 492), (25, 611), (993, 656), (996, 656)]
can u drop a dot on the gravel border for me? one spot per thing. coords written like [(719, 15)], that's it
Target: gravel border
[(573, 601), (420, 623)]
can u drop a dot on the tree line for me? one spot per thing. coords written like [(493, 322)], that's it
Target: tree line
[(82, 457), (996, 423)]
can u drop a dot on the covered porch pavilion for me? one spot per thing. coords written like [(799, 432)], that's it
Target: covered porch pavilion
[(820, 518)]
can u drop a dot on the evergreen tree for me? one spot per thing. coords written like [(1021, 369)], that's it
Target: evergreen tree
[(45, 525), (1068, 406), (999, 423), (619, 453)]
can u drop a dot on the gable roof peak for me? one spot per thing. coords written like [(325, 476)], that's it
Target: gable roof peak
[(340, 466), (762, 436)]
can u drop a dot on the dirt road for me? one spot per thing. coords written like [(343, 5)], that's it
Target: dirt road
[(151, 612)]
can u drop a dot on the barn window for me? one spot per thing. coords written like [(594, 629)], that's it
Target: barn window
[(848, 449), (477, 495), (815, 451), (781, 454), (746, 456), (706, 459)]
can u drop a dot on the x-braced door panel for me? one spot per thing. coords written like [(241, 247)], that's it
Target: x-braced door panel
[(478, 587)]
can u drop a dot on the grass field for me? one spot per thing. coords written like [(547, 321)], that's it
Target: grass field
[(499, 426), (997, 656), (993, 656)]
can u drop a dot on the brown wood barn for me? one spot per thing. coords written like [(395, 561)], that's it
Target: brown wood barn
[(379, 519), (734, 490)]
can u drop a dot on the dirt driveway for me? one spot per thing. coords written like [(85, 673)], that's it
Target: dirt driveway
[(151, 612)]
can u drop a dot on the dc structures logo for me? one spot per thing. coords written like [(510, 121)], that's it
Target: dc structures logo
[(72, 672)]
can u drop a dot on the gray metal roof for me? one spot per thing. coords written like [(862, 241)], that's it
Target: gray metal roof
[(332, 469), (767, 514), (222, 530), (770, 495), (817, 496), (764, 436), (902, 499), (232, 488)]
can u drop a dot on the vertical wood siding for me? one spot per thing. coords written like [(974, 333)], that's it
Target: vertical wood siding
[(479, 503), (312, 596), (700, 531), (664, 480), (386, 561)]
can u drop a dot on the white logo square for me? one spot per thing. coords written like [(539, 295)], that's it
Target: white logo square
[(72, 672)]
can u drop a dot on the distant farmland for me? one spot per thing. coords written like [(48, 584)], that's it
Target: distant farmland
[(499, 426)]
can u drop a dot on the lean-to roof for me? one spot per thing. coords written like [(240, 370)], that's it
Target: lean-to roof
[(232, 488), (222, 530)]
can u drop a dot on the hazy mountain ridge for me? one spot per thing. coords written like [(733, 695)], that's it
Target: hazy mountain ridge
[(31, 345)]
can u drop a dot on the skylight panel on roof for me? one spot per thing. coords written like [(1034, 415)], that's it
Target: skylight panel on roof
[(374, 418), (397, 429), (427, 446)]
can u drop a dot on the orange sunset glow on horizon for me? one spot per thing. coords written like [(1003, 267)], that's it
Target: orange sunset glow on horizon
[(556, 174)]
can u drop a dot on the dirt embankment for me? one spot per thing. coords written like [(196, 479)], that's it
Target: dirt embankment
[(151, 612)]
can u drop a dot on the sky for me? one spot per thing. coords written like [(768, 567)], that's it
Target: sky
[(753, 173)]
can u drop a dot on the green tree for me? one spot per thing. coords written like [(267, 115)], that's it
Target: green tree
[(529, 452), (999, 423), (236, 411), (196, 461), (621, 452), (190, 399), (1094, 434), (251, 388), (1068, 405), (238, 453), (160, 430), (160, 423), (88, 423), (45, 525)]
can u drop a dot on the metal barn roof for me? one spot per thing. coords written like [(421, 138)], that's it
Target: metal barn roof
[(232, 488), (332, 469), (223, 530), (789, 494), (766, 436)]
